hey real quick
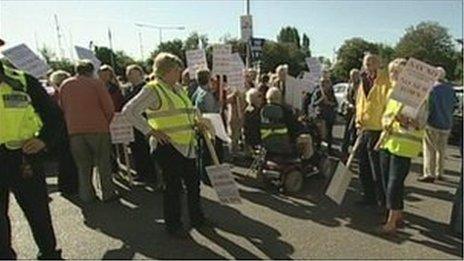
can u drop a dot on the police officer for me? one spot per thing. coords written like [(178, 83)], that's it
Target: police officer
[(30, 121), (170, 124)]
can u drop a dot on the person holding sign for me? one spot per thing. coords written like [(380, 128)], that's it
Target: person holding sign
[(170, 125), (30, 123), (370, 104), (403, 141)]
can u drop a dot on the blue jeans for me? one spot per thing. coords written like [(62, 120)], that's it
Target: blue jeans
[(394, 171), (369, 168)]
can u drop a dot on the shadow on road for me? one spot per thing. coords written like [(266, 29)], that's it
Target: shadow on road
[(137, 220)]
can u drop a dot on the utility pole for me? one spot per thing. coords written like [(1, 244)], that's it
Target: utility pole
[(58, 35), (247, 60), (141, 45), (110, 40), (160, 29)]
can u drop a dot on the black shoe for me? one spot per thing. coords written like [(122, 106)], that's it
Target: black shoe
[(426, 179), (54, 255)]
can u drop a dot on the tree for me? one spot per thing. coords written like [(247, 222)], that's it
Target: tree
[(55, 63), (195, 41), (275, 53), (175, 47), (350, 56), (289, 35), (305, 44), (431, 43), (121, 59)]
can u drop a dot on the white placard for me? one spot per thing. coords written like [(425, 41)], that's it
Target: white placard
[(236, 74), (84, 53), (294, 89), (315, 69), (414, 83), (224, 184), (121, 130), (308, 82), (218, 125), (196, 59), (246, 27), (222, 59), (339, 184), (23, 58)]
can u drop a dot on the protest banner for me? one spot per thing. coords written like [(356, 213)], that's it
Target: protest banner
[(222, 59), (23, 58), (84, 53), (224, 184), (315, 70), (294, 92), (235, 75), (196, 59), (414, 83), (218, 125), (246, 27), (121, 130)]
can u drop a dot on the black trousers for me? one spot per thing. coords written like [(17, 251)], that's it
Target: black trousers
[(177, 168), (143, 162), (67, 171), (31, 195), (369, 168), (349, 136)]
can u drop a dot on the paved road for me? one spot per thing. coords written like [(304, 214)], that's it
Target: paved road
[(266, 226)]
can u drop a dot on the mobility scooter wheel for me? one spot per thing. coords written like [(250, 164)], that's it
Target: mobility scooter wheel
[(293, 181)]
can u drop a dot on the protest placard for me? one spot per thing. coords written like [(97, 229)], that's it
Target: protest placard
[(224, 184), (414, 83), (121, 130), (84, 53), (196, 59), (339, 184), (294, 92), (222, 58), (218, 125), (315, 69), (246, 27), (23, 58), (236, 76)]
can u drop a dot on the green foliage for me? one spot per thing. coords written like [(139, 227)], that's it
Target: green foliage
[(275, 54), (195, 41), (431, 43), (289, 35), (107, 56)]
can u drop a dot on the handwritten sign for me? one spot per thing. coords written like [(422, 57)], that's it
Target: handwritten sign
[(222, 59), (236, 74), (23, 58), (339, 184), (84, 53), (294, 92), (315, 70), (121, 130), (224, 184), (196, 59), (414, 83)]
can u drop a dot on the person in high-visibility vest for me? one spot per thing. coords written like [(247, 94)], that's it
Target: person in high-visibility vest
[(403, 140), (30, 123), (170, 125)]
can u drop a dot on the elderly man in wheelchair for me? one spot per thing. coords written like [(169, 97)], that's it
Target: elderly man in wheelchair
[(286, 155)]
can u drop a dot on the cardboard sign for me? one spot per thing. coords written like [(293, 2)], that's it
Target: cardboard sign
[(222, 59), (121, 130), (246, 27), (339, 184), (236, 74), (196, 59), (84, 53), (294, 91), (224, 184), (414, 83), (23, 58), (315, 70), (218, 125)]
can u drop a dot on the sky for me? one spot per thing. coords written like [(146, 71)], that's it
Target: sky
[(327, 23)]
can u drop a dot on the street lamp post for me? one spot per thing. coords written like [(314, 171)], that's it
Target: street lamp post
[(160, 29)]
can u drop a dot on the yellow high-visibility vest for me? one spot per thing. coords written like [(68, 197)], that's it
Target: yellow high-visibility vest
[(175, 117), (370, 107), (400, 141), (18, 119)]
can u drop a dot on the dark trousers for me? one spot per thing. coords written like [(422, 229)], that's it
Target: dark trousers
[(177, 168), (394, 171), (349, 135), (369, 168), (205, 158), (67, 171), (329, 123), (143, 162), (31, 195)]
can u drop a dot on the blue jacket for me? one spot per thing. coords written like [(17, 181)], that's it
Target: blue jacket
[(441, 104)]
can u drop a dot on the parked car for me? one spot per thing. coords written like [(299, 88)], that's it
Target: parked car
[(340, 90), (456, 131)]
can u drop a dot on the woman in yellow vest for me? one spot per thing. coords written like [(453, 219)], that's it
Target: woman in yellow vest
[(402, 141), (170, 125)]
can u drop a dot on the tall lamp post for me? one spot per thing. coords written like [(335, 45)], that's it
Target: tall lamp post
[(160, 29)]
